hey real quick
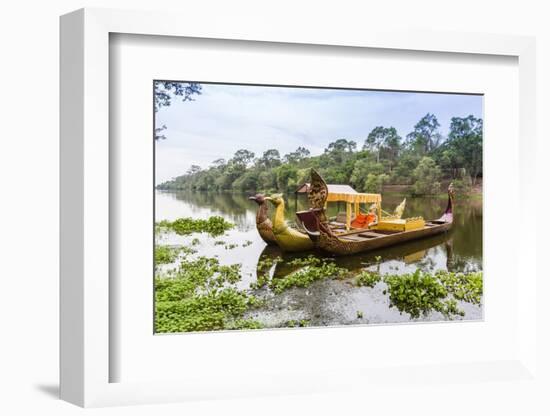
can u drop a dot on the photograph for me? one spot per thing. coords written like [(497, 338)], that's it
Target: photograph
[(281, 206)]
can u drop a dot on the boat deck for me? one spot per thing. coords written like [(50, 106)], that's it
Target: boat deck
[(369, 234)]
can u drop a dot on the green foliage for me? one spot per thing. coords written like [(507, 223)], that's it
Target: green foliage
[(166, 90), (385, 143), (312, 269), (366, 278), (427, 175), (419, 293), (214, 225), (416, 293), (296, 324), (165, 254), (465, 145), (374, 183), (462, 186), (466, 287), (270, 159), (201, 295), (425, 137)]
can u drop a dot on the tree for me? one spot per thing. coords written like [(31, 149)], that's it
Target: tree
[(243, 157), (247, 182), (270, 159), (218, 163), (427, 175), (298, 155), (341, 145), (385, 143), (425, 137), (340, 150), (362, 168), (286, 177), (194, 169), (465, 145), (374, 183), (166, 90)]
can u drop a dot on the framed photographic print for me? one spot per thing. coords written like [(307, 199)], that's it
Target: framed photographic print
[(385, 243), (254, 214)]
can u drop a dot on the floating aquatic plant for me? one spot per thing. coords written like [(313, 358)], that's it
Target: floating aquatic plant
[(201, 295), (366, 278), (165, 254), (214, 226), (420, 292), (307, 275)]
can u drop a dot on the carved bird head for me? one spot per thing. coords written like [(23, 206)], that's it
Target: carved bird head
[(276, 199), (258, 198)]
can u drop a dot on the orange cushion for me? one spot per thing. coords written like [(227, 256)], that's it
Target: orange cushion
[(362, 221)]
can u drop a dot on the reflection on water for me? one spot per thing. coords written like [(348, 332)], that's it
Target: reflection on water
[(331, 302)]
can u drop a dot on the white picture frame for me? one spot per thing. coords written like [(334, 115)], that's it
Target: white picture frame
[(85, 211)]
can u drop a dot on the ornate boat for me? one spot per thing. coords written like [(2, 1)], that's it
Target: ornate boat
[(293, 240), (387, 232), (263, 223)]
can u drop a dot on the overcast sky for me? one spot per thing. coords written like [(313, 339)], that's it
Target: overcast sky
[(225, 118)]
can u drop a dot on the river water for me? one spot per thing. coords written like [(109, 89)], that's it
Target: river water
[(331, 302)]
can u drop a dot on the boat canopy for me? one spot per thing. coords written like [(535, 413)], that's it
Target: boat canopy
[(343, 193), (353, 197)]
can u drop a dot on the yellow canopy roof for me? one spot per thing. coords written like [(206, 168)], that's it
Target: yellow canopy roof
[(354, 197), (344, 193)]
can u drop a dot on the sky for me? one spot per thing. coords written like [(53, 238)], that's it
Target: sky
[(226, 118)]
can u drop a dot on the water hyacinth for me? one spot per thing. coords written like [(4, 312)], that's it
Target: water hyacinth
[(201, 296), (214, 226), (165, 254), (420, 293), (366, 278)]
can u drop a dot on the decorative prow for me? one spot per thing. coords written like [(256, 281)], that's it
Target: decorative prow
[(263, 223), (287, 238), (448, 215)]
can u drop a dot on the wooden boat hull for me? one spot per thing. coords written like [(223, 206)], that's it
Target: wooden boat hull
[(367, 240)]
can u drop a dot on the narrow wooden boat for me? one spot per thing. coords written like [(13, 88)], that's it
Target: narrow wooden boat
[(386, 233), (263, 223), (293, 240), (287, 238)]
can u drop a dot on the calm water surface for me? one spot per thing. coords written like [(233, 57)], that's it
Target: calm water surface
[(330, 302)]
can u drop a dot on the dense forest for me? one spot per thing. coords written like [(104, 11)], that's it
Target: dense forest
[(422, 160)]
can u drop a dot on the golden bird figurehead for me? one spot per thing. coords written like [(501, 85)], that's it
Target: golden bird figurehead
[(276, 199)]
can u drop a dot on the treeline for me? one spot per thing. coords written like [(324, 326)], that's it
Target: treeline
[(422, 159)]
